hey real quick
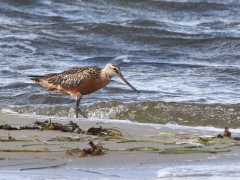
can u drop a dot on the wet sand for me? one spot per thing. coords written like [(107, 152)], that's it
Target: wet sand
[(139, 145)]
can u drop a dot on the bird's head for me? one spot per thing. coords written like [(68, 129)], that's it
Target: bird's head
[(112, 69)]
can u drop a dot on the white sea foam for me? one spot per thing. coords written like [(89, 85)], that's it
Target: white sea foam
[(223, 172), (8, 111)]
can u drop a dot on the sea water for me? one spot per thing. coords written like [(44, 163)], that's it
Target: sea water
[(183, 56)]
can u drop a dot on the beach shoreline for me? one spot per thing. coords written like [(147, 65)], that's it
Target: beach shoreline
[(141, 145)]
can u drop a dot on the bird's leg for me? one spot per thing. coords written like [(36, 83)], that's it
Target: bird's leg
[(79, 110), (79, 96)]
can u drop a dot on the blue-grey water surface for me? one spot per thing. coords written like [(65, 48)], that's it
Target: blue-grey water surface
[(183, 56)]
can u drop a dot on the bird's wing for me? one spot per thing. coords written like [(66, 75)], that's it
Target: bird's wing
[(72, 80), (72, 77)]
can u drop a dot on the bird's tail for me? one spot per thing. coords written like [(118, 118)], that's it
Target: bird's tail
[(35, 78), (38, 78), (44, 82)]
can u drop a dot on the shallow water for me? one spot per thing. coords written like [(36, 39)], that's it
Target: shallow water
[(182, 55), (209, 172)]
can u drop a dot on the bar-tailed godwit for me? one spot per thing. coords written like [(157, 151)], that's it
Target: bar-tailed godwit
[(80, 81)]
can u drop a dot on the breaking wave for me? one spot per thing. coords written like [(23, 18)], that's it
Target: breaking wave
[(189, 114)]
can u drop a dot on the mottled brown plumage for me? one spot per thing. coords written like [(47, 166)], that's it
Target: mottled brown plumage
[(80, 81)]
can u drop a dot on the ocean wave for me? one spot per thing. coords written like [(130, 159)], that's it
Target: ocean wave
[(182, 51), (188, 114)]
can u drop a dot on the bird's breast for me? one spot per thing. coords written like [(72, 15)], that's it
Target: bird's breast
[(89, 85)]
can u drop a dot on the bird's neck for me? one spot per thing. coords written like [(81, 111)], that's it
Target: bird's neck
[(105, 74)]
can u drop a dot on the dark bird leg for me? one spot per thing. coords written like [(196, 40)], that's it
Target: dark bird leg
[(78, 110)]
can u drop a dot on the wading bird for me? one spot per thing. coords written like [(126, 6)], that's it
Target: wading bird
[(80, 81)]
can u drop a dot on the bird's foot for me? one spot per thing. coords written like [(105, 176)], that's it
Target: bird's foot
[(80, 111)]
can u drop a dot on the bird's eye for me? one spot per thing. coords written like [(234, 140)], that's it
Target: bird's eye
[(116, 70)]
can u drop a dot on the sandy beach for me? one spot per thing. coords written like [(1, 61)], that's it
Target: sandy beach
[(139, 145)]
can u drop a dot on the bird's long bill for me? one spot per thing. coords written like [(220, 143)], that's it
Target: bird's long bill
[(124, 80)]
